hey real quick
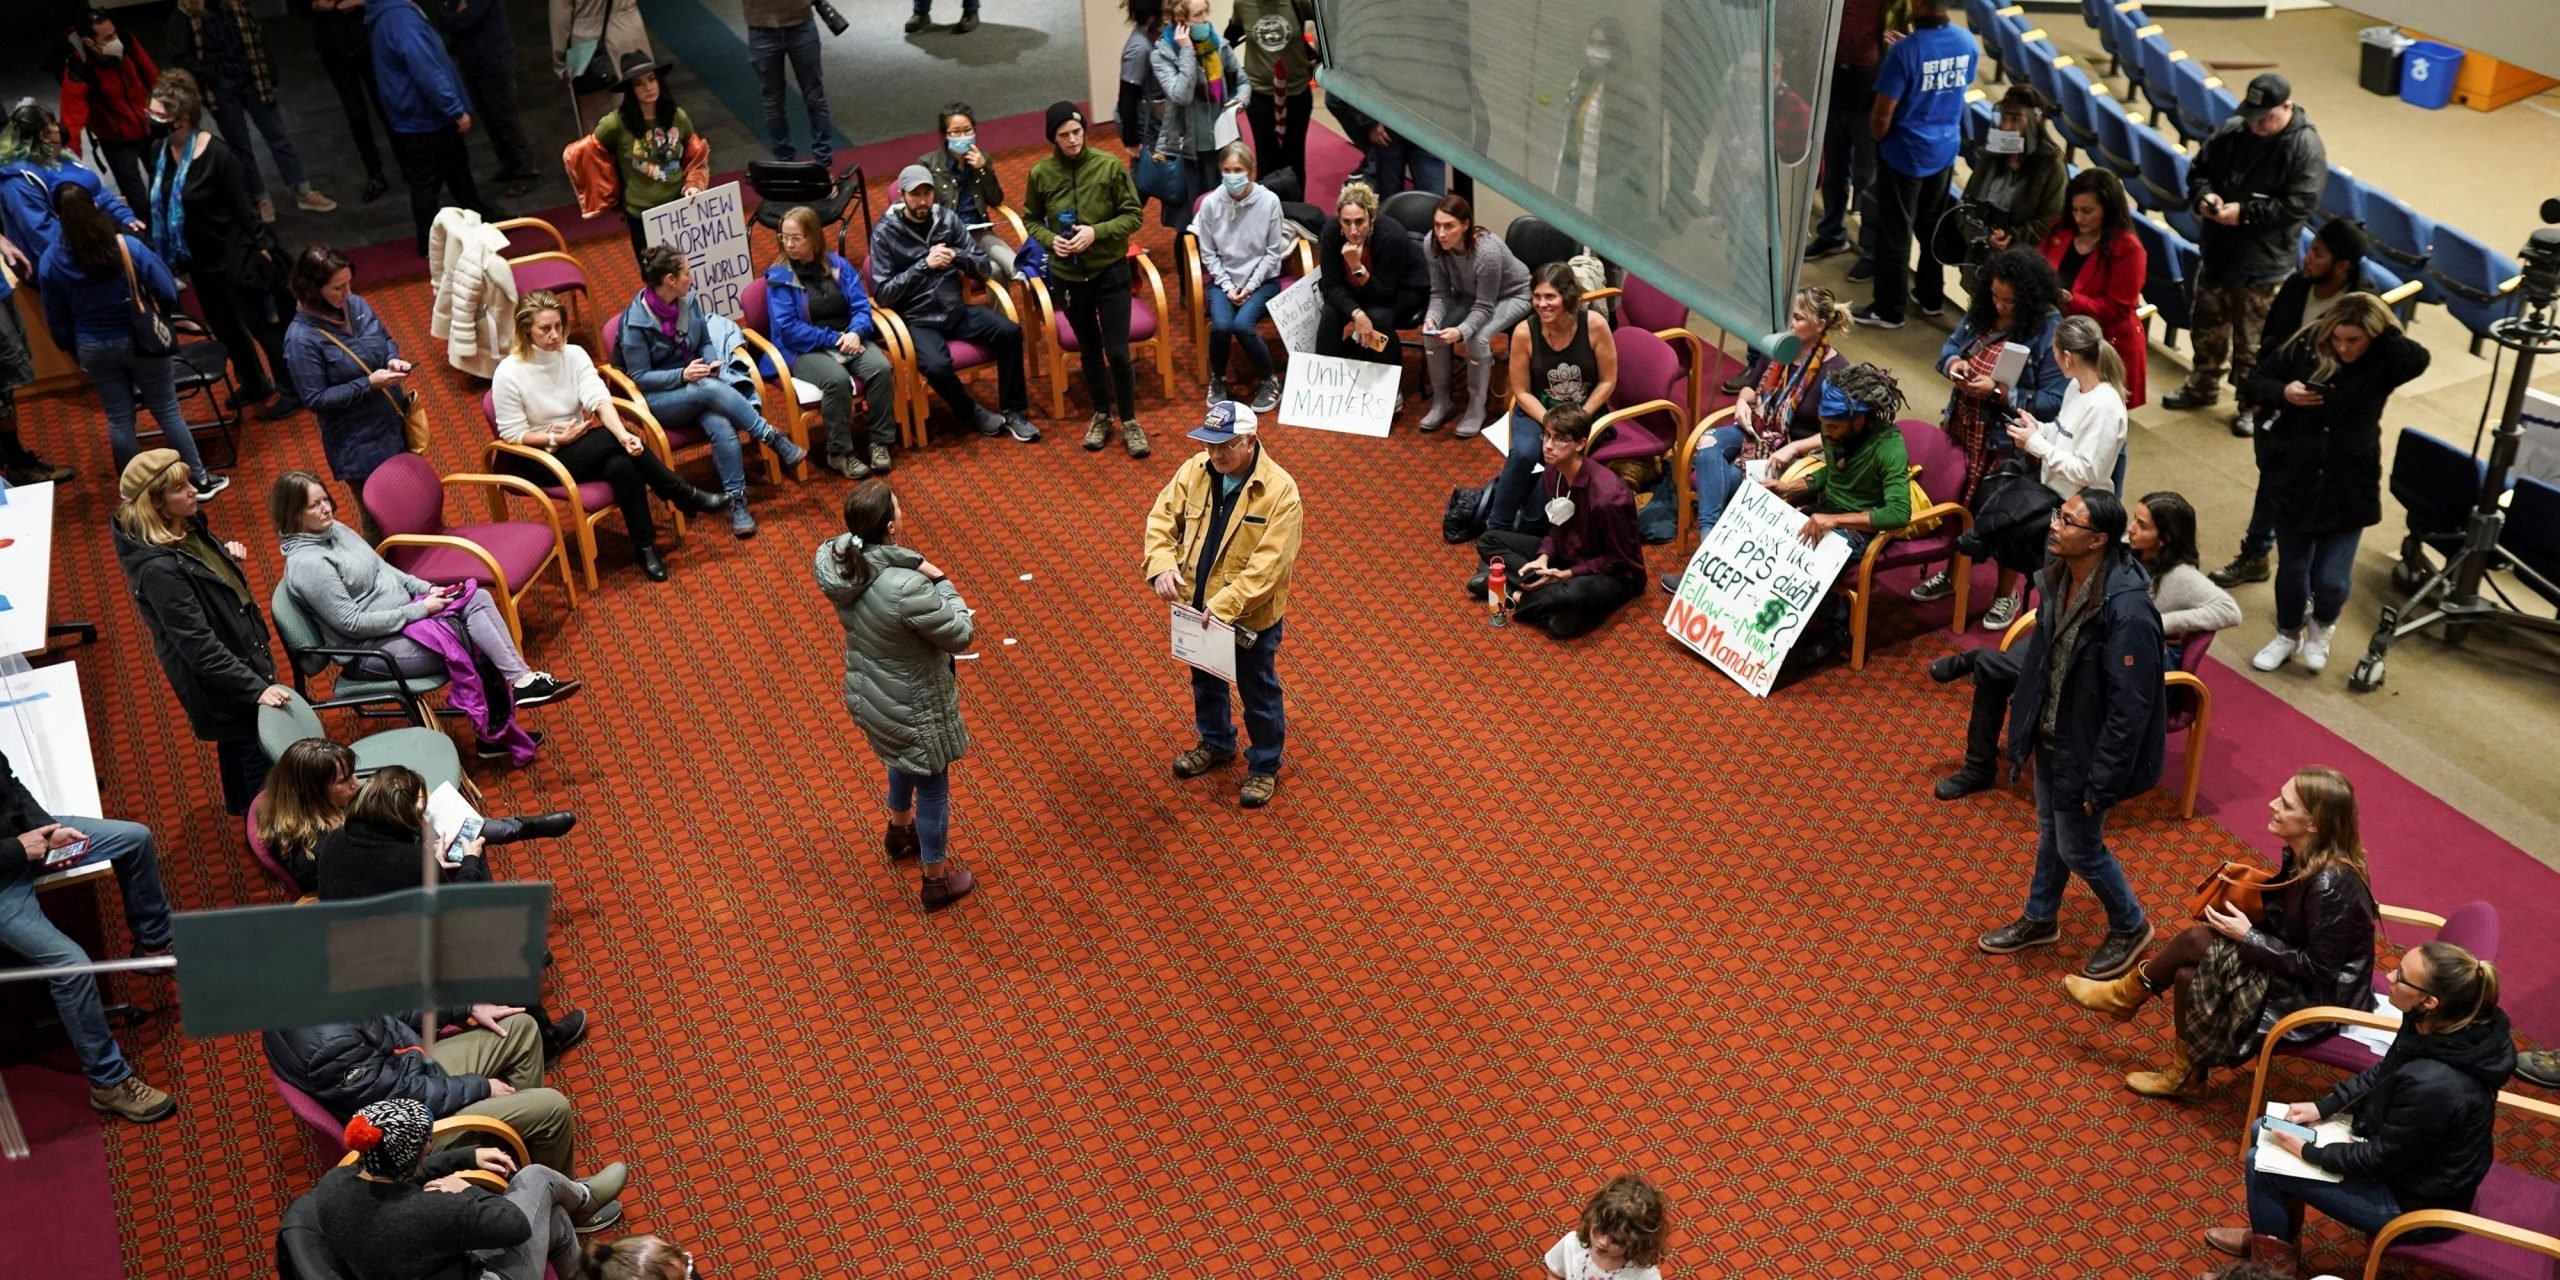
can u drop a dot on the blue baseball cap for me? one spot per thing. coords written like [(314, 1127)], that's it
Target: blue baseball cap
[(1227, 420)]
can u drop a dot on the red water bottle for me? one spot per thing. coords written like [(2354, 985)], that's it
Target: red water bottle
[(1494, 594)]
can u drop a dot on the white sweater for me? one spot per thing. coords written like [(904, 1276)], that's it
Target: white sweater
[(543, 389), (2079, 447)]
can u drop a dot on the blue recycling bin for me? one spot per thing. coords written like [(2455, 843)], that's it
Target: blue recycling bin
[(2427, 74)]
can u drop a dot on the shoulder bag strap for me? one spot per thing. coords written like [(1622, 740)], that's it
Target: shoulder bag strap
[(133, 286), (396, 406)]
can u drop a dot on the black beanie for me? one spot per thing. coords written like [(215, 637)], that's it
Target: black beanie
[(1059, 114)]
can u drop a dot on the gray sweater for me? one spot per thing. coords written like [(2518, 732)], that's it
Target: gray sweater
[(1466, 286), (2189, 602), (1242, 242), (353, 594)]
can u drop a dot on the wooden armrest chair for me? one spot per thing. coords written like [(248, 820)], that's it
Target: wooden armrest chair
[(405, 497), (1684, 472), (1148, 321)]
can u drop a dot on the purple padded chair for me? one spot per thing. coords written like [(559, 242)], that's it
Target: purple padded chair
[(1942, 473), (266, 857), (582, 505), (405, 497), (1645, 417)]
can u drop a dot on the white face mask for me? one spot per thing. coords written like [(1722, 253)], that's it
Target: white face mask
[(1559, 509), (1598, 54), (2004, 142), (112, 49)]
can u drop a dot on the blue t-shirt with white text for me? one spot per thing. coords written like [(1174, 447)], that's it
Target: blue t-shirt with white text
[(1926, 73)]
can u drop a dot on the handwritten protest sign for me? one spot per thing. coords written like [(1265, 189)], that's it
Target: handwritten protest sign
[(1752, 587), (1331, 393), (1294, 311), (711, 228)]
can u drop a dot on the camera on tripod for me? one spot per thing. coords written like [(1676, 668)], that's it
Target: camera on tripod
[(2541, 258), (827, 14)]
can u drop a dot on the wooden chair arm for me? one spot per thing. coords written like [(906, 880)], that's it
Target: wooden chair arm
[(1941, 512), (2410, 916), (496, 449), (1306, 255), (1603, 294), (2455, 1220), (496, 579), (1694, 352), (622, 381), (2010, 11), (2321, 1013), (636, 416), (1003, 298), (500, 486), (1684, 471), (549, 256), (2025, 623), (1615, 416), (1155, 286), (558, 241), (1976, 95), (2144, 313), (2213, 82), (1011, 217), (2033, 34), (2509, 286), (485, 1126), (764, 354), (2145, 33), (895, 342), (2066, 60), (2128, 6), (2408, 289), (485, 1180)]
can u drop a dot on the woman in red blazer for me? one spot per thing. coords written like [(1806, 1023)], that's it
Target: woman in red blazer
[(2102, 268)]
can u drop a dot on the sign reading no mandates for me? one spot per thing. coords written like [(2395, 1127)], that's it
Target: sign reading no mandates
[(710, 228), (1752, 586)]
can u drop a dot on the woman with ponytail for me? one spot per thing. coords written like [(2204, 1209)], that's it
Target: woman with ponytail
[(2423, 1116), (2079, 449), (2232, 977)]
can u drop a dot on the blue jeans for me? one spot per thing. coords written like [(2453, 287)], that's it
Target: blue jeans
[(125, 381), (723, 414), (2260, 537), (1266, 720), (235, 112), (1715, 471), (2313, 569), (929, 794), (1848, 149), (25, 930), (1513, 489), (767, 47), (2070, 842), (2276, 1201), (1239, 321), (1391, 164)]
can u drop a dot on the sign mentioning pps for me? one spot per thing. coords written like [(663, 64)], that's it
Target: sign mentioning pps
[(1752, 586), (711, 228)]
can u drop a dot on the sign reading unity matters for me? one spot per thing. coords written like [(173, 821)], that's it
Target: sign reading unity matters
[(1331, 393), (711, 228), (1752, 586)]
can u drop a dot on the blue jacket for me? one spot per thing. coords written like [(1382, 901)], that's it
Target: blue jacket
[(421, 91), (360, 428), (26, 202), (787, 309), (2110, 739), (79, 307), (2040, 384), (655, 361)]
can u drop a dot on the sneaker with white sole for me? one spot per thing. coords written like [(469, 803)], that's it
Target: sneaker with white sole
[(2003, 611), (1937, 586), (1217, 392), (2315, 646), (2276, 652), (314, 202), (1267, 398), (209, 486), (1869, 317)]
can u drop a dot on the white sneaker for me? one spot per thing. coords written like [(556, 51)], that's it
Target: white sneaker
[(2003, 611), (2277, 651), (2315, 645)]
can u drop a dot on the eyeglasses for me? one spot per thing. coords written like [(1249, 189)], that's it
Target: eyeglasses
[(2067, 522), (2395, 977)]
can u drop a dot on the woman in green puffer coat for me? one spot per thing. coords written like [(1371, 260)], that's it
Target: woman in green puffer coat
[(903, 622)]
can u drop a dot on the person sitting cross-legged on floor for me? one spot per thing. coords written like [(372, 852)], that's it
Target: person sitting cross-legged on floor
[(36, 835), (398, 1211), (2161, 529), (920, 253), (307, 797), (2423, 1116), (2234, 976), (1590, 561), (667, 347)]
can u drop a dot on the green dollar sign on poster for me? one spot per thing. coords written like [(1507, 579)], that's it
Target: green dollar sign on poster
[(1770, 613)]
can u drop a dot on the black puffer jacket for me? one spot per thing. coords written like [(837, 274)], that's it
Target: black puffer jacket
[(2316, 946), (210, 638), (346, 1066), (2320, 468), (2425, 1113)]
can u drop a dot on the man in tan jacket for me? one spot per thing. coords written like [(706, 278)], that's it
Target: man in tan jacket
[(1223, 538)]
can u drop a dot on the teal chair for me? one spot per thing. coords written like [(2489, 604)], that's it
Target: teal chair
[(427, 752), (405, 697)]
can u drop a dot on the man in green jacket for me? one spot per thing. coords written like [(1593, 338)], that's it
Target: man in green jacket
[(1080, 205)]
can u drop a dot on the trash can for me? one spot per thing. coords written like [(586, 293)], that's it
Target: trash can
[(2380, 72), (2427, 73)]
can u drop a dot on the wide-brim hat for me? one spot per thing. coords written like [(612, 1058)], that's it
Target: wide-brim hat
[(636, 64)]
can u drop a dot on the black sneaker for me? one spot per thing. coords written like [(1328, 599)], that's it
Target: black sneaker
[(1962, 783), (2189, 398), (1821, 249), (2020, 934), (498, 750), (2117, 954), (1267, 396), (1954, 666), (918, 23), (1669, 582), (1874, 319), (1862, 271), (544, 689), (564, 1034), (1930, 309)]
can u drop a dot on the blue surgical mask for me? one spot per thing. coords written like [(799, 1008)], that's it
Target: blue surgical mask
[(1235, 183), (1203, 33), (961, 144)]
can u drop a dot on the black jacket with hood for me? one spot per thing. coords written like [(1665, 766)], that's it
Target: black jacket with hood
[(207, 631), (2275, 181), (2109, 740), (2425, 1112), (2320, 468)]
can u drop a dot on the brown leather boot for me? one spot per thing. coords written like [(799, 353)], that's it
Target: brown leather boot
[(2281, 1257), (2120, 998), (2180, 1079)]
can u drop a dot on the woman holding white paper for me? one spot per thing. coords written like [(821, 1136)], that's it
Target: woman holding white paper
[(2233, 977), (2081, 446), (306, 801), (904, 627), (2420, 1121)]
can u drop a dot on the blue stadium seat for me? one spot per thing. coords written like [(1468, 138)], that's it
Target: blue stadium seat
[(2401, 235), (2194, 119), (2171, 260), (2159, 73), (2476, 284), (2342, 196), (2115, 137), (2074, 114)]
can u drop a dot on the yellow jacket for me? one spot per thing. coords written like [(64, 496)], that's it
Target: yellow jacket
[(1249, 583)]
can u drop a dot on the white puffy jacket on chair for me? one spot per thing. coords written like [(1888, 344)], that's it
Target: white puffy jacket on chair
[(475, 291)]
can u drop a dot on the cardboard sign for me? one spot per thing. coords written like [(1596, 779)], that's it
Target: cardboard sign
[(1331, 393), (1295, 312), (711, 228), (1751, 588)]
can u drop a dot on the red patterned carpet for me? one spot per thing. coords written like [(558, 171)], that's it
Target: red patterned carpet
[(1523, 915)]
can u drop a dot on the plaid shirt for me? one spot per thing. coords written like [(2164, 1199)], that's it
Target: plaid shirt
[(219, 64)]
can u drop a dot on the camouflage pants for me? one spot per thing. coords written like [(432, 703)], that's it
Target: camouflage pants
[(2227, 320)]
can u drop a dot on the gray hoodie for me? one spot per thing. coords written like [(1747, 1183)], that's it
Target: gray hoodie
[(1242, 242), (1465, 287), (351, 593)]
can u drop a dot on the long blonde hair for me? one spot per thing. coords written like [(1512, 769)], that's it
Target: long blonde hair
[(2364, 311), (2087, 343), (141, 517), (529, 306)]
